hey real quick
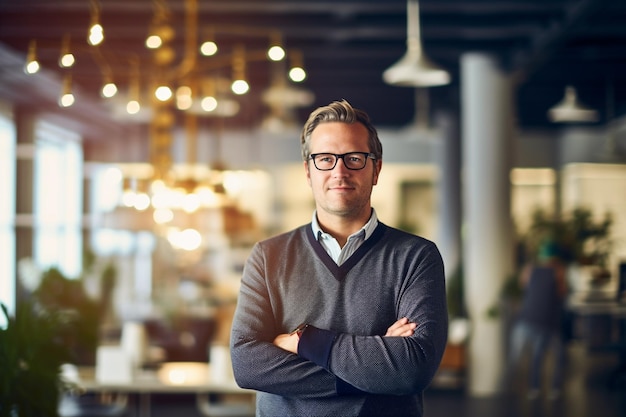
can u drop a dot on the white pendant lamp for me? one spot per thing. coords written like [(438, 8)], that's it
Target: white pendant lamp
[(414, 69), (570, 110)]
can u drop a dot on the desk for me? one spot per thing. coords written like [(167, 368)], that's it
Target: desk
[(580, 306), (601, 326), (173, 378)]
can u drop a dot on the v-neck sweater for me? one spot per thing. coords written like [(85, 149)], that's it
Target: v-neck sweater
[(344, 366)]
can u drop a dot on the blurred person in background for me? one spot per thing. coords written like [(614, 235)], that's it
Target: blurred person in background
[(540, 322)]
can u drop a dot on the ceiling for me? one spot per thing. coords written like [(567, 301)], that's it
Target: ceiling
[(346, 45)]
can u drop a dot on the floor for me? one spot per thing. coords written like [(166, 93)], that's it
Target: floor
[(592, 390)]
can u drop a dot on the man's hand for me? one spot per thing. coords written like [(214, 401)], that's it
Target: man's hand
[(402, 327), (288, 341)]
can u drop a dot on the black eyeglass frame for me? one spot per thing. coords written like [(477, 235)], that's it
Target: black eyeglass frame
[(367, 155)]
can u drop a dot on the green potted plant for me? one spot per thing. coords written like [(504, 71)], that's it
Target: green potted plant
[(57, 292), (31, 355), (583, 242), (581, 239)]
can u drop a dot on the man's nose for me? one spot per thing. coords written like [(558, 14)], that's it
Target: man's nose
[(340, 166)]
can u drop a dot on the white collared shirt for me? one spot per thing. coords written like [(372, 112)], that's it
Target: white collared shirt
[(355, 240)]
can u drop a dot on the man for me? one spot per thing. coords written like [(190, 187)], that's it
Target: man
[(344, 316), (541, 320)]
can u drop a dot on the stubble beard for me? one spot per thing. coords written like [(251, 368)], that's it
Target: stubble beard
[(347, 208)]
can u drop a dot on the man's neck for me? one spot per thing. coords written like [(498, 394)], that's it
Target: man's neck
[(340, 227)]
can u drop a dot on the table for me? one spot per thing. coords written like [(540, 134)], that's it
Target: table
[(581, 306), (172, 378), (602, 327), (601, 324)]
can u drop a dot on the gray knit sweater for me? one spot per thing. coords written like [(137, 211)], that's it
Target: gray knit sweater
[(344, 366)]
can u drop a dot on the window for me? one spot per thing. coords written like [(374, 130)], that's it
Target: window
[(58, 200), (7, 212)]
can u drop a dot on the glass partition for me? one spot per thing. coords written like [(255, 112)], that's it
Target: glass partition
[(7, 213)]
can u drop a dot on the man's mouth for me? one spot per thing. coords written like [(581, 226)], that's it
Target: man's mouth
[(341, 187)]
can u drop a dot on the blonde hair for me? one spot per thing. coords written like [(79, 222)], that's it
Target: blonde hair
[(339, 111)]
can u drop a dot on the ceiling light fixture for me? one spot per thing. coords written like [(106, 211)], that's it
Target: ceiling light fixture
[(67, 98), (95, 36), (32, 65), (109, 88), (276, 52), (283, 98), (297, 73), (66, 58), (151, 92), (570, 110), (167, 71), (208, 48), (240, 85), (133, 105), (414, 69)]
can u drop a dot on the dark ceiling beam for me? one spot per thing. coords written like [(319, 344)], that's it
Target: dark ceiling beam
[(545, 44), (257, 7), (299, 30), (282, 7)]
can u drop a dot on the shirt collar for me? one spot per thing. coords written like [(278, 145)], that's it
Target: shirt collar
[(368, 228)]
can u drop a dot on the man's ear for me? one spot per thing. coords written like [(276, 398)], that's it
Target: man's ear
[(308, 173), (377, 168)]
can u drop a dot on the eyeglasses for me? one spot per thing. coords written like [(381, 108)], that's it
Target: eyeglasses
[(352, 160)]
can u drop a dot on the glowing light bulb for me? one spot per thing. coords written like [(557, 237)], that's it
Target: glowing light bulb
[(133, 107), (208, 104), (142, 201), (154, 42), (109, 90), (208, 48), (297, 74), (163, 93), (66, 100), (32, 67), (162, 215), (67, 60), (276, 53), (96, 35), (240, 87)]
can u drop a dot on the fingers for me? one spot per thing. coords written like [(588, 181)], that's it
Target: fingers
[(402, 328), (288, 341), (397, 325)]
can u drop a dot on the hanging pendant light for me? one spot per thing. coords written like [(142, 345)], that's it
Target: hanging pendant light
[(414, 69), (570, 110), (283, 99)]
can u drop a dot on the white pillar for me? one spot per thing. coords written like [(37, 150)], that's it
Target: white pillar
[(487, 246), (449, 182)]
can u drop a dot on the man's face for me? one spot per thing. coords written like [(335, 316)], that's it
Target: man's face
[(342, 192)]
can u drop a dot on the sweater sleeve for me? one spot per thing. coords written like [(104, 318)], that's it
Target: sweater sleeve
[(391, 365), (257, 363)]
